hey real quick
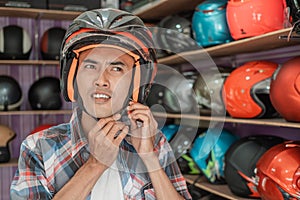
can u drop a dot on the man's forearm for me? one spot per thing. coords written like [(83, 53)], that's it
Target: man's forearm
[(82, 183), (162, 185)]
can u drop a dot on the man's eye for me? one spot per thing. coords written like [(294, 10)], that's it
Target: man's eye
[(117, 69), (90, 67)]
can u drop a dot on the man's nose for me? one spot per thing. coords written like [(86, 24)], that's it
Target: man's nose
[(102, 80)]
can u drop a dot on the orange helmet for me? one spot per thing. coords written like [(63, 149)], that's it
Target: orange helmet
[(247, 18), (246, 90), (278, 172), (287, 79)]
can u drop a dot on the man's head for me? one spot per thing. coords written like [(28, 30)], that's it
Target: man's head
[(107, 29)]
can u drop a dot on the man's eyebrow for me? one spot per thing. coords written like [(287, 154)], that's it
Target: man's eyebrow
[(90, 61), (117, 63)]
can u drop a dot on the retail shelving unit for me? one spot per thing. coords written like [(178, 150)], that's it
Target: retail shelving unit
[(154, 11)]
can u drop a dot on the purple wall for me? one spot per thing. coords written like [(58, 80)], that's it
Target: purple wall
[(26, 75)]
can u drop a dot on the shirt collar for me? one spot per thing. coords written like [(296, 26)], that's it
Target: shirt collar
[(78, 137)]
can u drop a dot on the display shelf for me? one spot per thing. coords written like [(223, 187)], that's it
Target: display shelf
[(13, 162), (278, 122), (38, 13), (156, 10), (220, 190), (29, 62), (36, 112), (259, 43)]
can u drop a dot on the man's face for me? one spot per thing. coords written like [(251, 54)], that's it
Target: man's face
[(103, 79)]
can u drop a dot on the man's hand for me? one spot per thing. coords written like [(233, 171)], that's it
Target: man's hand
[(105, 138), (143, 129)]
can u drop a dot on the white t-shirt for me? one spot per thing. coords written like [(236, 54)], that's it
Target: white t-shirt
[(108, 186)]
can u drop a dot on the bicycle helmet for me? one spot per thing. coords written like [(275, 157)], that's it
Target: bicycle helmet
[(15, 43), (211, 162), (240, 163), (247, 18), (287, 78), (246, 90), (209, 23), (44, 94), (110, 28), (11, 96), (278, 172), (6, 135), (51, 42)]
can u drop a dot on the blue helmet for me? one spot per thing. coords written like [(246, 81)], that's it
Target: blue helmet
[(209, 153), (209, 23)]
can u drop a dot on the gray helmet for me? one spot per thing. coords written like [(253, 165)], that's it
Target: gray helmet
[(110, 27)]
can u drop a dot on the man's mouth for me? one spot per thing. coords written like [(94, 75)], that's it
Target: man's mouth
[(101, 97)]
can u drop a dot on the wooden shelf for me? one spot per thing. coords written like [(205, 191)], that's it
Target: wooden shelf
[(278, 122), (36, 112), (220, 190), (38, 13), (158, 9), (259, 43), (12, 163), (29, 62)]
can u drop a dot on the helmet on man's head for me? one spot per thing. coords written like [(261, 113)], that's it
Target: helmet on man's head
[(109, 28)]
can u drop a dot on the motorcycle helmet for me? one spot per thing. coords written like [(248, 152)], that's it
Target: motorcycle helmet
[(44, 94), (278, 172), (209, 23), (246, 90), (174, 93), (240, 163), (173, 34), (294, 8), (51, 42), (6, 135), (209, 92), (247, 18), (15, 43), (287, 78), (110, 28), (211, 162), (11, 96), (41, 127)]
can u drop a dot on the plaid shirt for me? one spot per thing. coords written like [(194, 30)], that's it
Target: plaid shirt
[(50, 158)]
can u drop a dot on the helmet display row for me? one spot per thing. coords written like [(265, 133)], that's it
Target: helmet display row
[(16, 43), (220, 21), (258, 93), (43, 94)]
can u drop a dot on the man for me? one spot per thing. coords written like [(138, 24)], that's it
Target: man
[(111, 148)]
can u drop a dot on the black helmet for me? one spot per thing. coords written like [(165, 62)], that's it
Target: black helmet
[(294, 7), (11, 96), (6, 135), (51, 42), (108, 27), (15, 43), (240, 163), (174, 35), (44, 94)]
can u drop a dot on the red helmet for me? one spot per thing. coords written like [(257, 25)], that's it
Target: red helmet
[(41, 127), (278, 172), (247, 18), (246, 90), (287, 79)]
